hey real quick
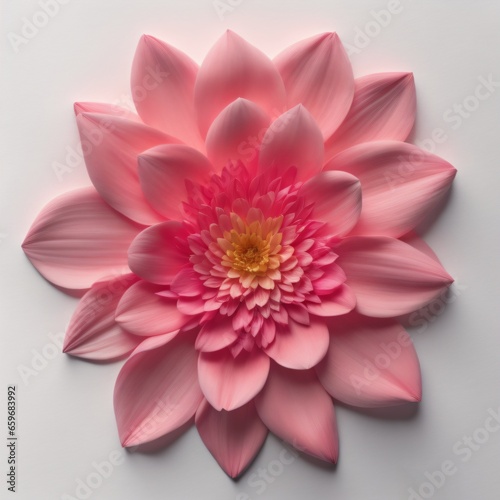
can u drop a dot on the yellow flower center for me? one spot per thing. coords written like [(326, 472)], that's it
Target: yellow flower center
[(251, 251)]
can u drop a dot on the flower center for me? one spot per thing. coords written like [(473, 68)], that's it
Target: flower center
[(250, 252)]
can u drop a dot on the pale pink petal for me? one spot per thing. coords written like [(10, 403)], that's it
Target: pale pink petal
[(293, 139), (383, 107), (216, 334), (417, 242), (233, 68), (299, 346), (337, 200), (142, 311), (162, 82), (229, 382), (77, 239), (106, 109), (163, 174), (388, 276), (110, 145), (294, 406), (339, 302), (401, 184), (233, 437), (159, 252), (157, 389), (317, 73), (236, 135), (370, 363), (92, 332)]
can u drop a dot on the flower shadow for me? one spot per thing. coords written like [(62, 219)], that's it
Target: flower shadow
[(404, 412), (74, 358), (316, 462)]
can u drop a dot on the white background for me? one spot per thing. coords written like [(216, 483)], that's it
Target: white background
[(65, 413)]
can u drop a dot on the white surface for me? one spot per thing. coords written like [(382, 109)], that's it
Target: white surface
[(65, 413)]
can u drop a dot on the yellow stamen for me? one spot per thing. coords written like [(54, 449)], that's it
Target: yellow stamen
[(251, 248), (250, 252)]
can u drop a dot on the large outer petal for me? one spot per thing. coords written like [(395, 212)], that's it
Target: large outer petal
[(110, 146), (388, 276), (337, 200), (300, 346), (383, 107), (92, 332), (159, 252), (293, 139), (236, 134), (229, 382), (370, 363), (401, 184), (233, 437), (317, 73), (157, 389), (77, 239), (233, 68), (162, 82), (163, 172), (294, 406), (142, 311)]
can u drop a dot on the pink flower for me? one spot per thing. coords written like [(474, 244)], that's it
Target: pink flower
[(248, 244)]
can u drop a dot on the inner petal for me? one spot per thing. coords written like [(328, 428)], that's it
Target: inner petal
[(260, 257)]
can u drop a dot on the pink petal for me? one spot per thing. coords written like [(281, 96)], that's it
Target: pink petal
[(216, 334), (317, 73), (110, 146), (106, 109), (300, 347), (187, 283), (415, 241), (92, 332), (337, 200), (157, 389), (229, 382), (388, 276), (332, 278), (236, 134), (293, 139), (190, 306), (233, 437), (370, 363), (162, 82), (383, 107), (77, 239), (339, 302), (401, 184), (142, 312), (164, 172), (159, 252), (233, 68), (298, 313), (294, 406)]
